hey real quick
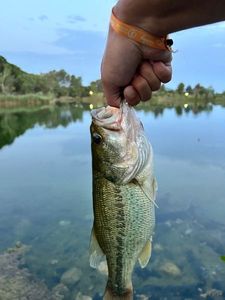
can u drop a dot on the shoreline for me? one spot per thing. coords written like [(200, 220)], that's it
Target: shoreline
[(159, 100)]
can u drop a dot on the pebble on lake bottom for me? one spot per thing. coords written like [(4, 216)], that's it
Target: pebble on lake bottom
[(103, 268), (170, 268), (71, 276), (80, 296)]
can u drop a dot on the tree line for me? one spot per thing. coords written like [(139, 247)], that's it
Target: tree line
[(197, 91), (58, 83)]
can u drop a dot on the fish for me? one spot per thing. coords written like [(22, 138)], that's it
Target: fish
[(124, 192)]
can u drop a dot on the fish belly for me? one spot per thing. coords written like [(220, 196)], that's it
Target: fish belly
[(124, 221)]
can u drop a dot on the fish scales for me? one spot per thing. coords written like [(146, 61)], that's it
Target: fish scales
[(121, 230)]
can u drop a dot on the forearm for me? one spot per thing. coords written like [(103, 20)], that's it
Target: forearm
[(161, 17)]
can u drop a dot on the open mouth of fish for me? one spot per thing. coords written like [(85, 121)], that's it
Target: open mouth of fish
[(108, 117)]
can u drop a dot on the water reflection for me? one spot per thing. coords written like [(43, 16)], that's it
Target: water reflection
[(195, 108), (14, 124)]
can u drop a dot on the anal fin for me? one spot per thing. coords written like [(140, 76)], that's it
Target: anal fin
[(96, 254), (145, 254)]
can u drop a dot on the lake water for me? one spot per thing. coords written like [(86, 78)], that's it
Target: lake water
[(45, 200)]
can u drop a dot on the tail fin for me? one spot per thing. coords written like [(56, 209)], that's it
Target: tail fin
[(109, 295)]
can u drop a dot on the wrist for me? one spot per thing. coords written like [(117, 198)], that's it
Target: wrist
[(140, 14)]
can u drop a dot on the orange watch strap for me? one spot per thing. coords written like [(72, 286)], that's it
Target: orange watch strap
[(139, 35)]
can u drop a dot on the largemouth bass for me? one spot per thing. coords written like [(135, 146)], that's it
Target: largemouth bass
[(124, 190)]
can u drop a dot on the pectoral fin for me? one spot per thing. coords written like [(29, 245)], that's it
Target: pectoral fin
[(145, 254), (155, 188), (155, 185), (96, 254)]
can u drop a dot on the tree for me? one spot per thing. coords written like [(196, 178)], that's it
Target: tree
[(199, 90), (6, 80), (189, 90), (57, 81), (180, 88), (75, 88), (96, 86), (163, 88), (62, 78), (210, 93)]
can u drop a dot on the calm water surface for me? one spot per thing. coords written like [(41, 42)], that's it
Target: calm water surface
[(45, 199)]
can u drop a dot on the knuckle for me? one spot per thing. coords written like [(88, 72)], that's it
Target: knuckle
[(155, 86), (140, 88), (145, 69), (146, 97), (147, 72), (163, 72), (143, 89), (167, 57), (166, 76)]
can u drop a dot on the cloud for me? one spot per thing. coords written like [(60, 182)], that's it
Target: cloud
[(43, 18), (78, 64), (75, 18), (84, 41), (200, 57), (78, 52)]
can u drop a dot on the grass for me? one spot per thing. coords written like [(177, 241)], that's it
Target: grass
[(159, 99), (10, 101), (97, 99)]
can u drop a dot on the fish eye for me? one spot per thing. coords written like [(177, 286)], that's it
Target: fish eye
[(97, 138)]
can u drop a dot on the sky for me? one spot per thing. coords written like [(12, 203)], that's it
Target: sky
[(45, 35)]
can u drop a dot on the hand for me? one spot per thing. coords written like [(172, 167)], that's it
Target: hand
[(132, 71)]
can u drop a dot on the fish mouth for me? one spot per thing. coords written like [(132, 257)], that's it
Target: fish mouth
[(108, 117)]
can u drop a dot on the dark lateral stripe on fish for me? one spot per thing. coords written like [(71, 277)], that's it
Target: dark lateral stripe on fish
[(120, 218), (119, 273)]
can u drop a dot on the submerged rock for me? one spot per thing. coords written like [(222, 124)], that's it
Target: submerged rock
[(18, 283), (54, 261), (171, 269), (179, 221), (64, 223), (158, 247), (103, 268), (168, 223), (71, 276), (212, 293), (80, 296), (142, 297), (188, 231), (60, 291), (19, 244)]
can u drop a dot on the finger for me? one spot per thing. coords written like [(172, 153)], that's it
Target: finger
[(112, 94), (142, 87), (131, 95), (162, 70), (157, 55), (146, 71)]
